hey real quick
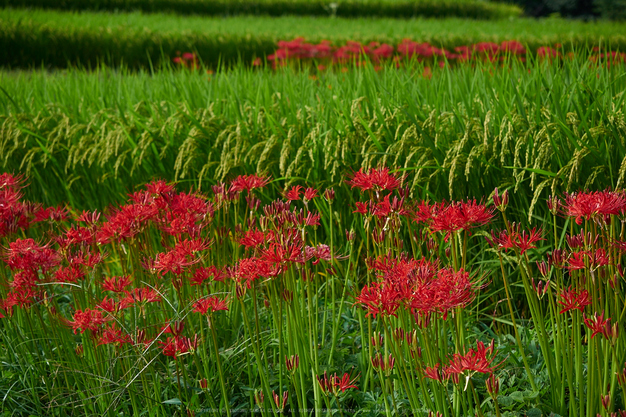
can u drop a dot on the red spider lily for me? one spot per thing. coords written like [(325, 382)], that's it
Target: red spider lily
[(10, 181), (435, 373), (179, 345), (87, 259), (127, 222), (159, 187), (27, 254), (53, 214), (24, 279), (460, 215), (109, 305), (344, 383), (282, 254), (294, 193), (141, 296), (251, 269), (114, 336), (204, 273), (598, 205), (248, 182), (252, 238), (175, 328), (599, 325), (448, 290), (209, 305), (379, 299), (321, 253), (117, 284), (573, 300), (21, 297), (89, 217), (475, 360), (87, 320), (375, 179), (576, 260), (334, 384), (175, 261), (69, 274), (546, 52), (309, 194), (76, 236), (521, 241), (361, 207)]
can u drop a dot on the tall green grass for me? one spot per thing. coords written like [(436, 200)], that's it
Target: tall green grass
[(345, 8), (33, 38), (535, 129)]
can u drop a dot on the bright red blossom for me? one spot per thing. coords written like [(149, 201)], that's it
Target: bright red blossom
[(209, 305), (374, 179), (573, 300)]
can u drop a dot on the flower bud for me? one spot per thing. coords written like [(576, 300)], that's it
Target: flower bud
[(501, 201), (493, 385)]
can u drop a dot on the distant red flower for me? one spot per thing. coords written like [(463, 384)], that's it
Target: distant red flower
[(114, 336), (374, 179), (179, 345), (139, 295), (248, 182), (204, 273), (573, 300), (461, 215), (521, 241), (209, 305), (87, 320), (53, 214), (116, 284)]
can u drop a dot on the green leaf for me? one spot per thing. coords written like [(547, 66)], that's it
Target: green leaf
[(173, 401), (530, 395), (505, 401), (534, 412), (517, 396)]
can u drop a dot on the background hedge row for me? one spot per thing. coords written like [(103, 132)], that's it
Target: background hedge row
[(343, 8), (60, 39)]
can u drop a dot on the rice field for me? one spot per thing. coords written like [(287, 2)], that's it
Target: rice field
[(375, 238)]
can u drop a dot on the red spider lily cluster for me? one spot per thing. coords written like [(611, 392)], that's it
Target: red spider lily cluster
[(475, 360), (187, 60), (419, 286), (333, 384), (161, 275)]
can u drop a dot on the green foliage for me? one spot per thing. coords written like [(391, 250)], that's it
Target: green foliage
[(86, 137), (342, 8), (56, 39)]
